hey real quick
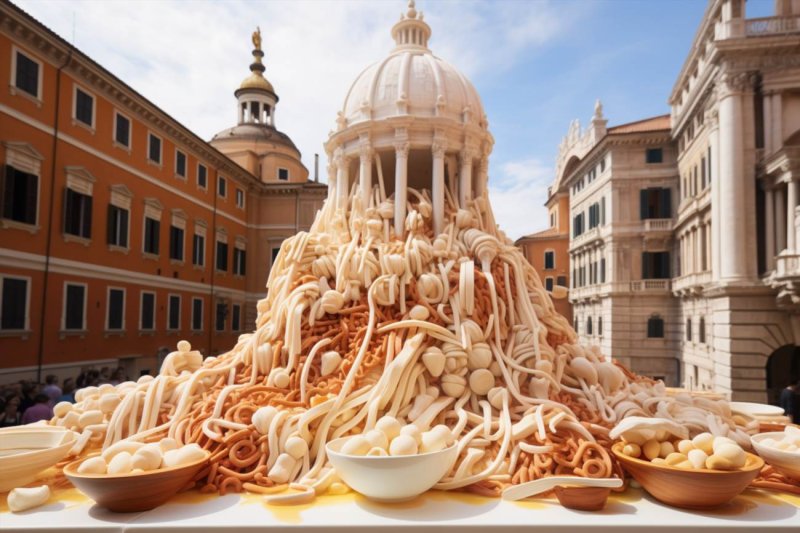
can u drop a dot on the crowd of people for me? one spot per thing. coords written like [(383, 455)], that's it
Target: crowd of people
[(25, 402)]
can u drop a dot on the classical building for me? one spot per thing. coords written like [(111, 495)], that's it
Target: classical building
[(121, 231), (620, 182), (736, 123)]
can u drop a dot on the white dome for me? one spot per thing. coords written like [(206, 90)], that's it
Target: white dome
[(413, 81)]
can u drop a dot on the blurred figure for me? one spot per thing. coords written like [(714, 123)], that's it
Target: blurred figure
[(11, 416), (51, 389), (790, 401), (68, 393), (40, 410), (29, 392)]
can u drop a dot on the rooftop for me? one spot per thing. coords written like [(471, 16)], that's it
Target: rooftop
[(659, 123)]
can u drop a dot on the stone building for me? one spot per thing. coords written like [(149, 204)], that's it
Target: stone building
[(736, 124), (121, 231)]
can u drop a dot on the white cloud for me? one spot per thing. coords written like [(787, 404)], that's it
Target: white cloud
[(518, 194)]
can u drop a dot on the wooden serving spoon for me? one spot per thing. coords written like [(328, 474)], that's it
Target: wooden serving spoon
[(538, 486)]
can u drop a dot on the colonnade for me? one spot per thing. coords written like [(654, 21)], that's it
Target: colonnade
[(465, 185), (780, 204)]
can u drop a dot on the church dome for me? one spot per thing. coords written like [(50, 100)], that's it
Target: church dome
[(412, 81), (256, 80)]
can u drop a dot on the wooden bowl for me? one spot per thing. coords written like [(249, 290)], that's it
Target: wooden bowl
[(582, 498), (26, 451), (690, 489), (136, 492)]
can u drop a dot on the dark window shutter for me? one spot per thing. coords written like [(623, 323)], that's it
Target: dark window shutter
[(123, 228), (32, 195), (664, 265), (8, 190), (86, 230), (13, 304), (111, 228), (666, 203), (643, 204), (74, 307), (156, 234), (68, 210)]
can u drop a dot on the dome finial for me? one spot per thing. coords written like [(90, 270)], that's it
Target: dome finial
[(411, 30), (412, 10), (256, 79)]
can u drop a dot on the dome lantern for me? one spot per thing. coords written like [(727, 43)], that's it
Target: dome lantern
[(412, 31), (256, 96)]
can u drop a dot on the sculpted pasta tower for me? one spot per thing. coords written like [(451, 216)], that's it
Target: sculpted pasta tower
[(405, 304)]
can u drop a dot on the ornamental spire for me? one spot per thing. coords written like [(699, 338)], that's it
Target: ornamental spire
[(411, 31)]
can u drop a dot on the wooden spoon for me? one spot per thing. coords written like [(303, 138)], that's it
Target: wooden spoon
[(538, 486)]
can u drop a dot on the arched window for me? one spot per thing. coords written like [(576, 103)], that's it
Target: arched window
[(589, 326), (655, 327)]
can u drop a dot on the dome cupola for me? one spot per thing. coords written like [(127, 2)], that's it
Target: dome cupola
[(256, 95)]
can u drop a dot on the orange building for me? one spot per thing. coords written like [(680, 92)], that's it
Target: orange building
[(548, 250), (121, 231)]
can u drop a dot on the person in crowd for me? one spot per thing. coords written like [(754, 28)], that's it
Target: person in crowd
[(11, 415), (29, 392), (786, 399), (51, 389), (40, 410), (68, 393)]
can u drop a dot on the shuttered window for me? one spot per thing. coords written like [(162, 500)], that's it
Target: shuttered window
[(655, 327), (147, 318), (222, 256), (175, 243), (221, 311), (151, 230), (20, 192), (84, 107), (236, 318), (74, 307), (117, 226), (116, 306), (13, 308), (27, 75), (174, 312), (655, 265), (199, 250), (655, 202)]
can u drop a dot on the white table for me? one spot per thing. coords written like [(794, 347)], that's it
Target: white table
[(630, 511)]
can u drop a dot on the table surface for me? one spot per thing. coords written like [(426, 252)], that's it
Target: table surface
[(631, 510)]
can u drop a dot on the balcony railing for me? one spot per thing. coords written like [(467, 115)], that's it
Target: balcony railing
[(650, 285), (771, 26), (658, 224), (691, 282), (787, 266), (585, 237)]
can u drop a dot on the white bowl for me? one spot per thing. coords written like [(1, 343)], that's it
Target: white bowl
[(391, 478), (756, 409), (26, 451), (788, 463)]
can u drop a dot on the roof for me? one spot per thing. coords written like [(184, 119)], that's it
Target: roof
[(544, 234), (659, 123), (256, 132)]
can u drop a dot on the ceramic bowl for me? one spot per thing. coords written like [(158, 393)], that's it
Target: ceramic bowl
[(135, 492), (582, 498), (25, 452), (690, 489), (756, 409), (787, 463), (391, 478)]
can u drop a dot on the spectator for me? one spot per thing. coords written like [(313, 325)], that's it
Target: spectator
[(68, 394), (40, 410), (51, 389), (11, 416), (29, 392), (787, 399)]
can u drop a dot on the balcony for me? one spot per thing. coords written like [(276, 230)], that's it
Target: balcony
[(691, 283), (648, 285), (585, 238), (643, 286), (786, 278), (658, 224), (759, 27)]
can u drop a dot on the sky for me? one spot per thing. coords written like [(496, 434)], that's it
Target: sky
[(537, 64)]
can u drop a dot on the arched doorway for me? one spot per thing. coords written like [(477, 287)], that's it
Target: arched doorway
[(783, 369)]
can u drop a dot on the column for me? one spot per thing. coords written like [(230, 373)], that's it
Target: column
[(714, 178), (769, 227), (767, 113), (709, 259), (342, 181), (777, 121), (699, 243), (731, 181), (483, 177), (272, 116), (791, 203), (437, 190), (400, 186), (365, 174), (780, 220), (465, 178)]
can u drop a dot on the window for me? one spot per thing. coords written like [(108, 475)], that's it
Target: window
[(552, 220), (202, 176), (275, 251), (600, 326), (577, 225), (655, 265), (236, 316), (219, 322), (602, 165), (655, 327), (548, 284), (115, 317), (84, 107), (688, 329), (74, 306), (26, 74), (575, 324), (702, 173), (594, 215), (655, 202), (283, 174), (199, 250), (180, 163), (701, 330), (240, 198), (122, 130), (589, 326), (197, 314), (77, 214), (561, 281), (117, 226), (174, 312), (708, 162), (549, 260), (20, 195), (603, 211), (654, 155), (154, 148), (175, 243), (151, 230), (222, 256), (14, 296), (147, 317), (221, 186), (603, 270), (239, 260)]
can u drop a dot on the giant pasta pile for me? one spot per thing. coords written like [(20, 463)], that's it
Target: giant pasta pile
[(452, 329)]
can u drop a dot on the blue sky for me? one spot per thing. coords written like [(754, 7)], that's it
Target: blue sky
[(537, 64)]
